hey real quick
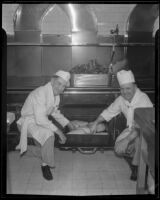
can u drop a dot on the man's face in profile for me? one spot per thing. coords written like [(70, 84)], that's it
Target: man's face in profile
[(58, 84)]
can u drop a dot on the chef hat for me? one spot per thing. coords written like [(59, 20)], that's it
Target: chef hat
[(124, 77), (63, 74)]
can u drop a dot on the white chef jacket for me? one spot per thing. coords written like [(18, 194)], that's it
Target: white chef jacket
[(139, 100), (40, 103)]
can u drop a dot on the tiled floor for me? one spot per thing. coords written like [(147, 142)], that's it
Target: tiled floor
[(75, 174)]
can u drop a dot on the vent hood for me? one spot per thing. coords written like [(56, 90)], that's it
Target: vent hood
[(28, 19)]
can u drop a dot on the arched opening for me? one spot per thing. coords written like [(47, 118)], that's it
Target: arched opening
[(140, 29)]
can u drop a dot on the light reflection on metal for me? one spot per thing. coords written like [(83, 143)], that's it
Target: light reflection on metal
[(74, 18), (127, 20), (17, 15), (29, 17), (155, 26), (48, 11), (83, 23), (83, 44), (81, 16), (125, 41)]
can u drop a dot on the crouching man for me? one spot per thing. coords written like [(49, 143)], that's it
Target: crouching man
[(127, 143), (34, 122)]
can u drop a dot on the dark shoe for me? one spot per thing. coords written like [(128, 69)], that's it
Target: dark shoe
[(128, 160), (46, 172), (133, 176)]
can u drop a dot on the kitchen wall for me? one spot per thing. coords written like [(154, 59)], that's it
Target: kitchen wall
[(30, 66), (108, 15)]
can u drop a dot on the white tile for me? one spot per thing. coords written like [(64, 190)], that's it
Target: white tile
[(110, 192), (96, 184), (78, 174), (33, 189), (79, 192), (63, 184), (79, 184), (48, 183), (37, 171), (66, 187), (13, 155), (107, 192), (92, 175), (133, 184), (33, 192), (107, 175), (50, 187), (123, 192), (48, 192), (109, 184), (13, 167), (26, 168), (17, 188), (64, 167), (64, 175), (62, 192), (94, 192), (124, 185), (36, 179), (19, 178), (122, 175), (75, 174)]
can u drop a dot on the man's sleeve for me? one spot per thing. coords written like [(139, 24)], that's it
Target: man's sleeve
[(145, 101), (40, 114), (59, 117), (113, 110)]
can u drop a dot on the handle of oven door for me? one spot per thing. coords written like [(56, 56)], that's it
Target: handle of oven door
[(91, 151)]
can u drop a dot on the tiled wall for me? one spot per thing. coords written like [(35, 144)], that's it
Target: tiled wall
[(56, 22)]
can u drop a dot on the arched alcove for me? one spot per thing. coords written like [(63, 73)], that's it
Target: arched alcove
[(8, 11), (140, 30), (55, 29), (55, 21)]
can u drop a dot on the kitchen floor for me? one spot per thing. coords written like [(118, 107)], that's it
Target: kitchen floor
[(75, 174)]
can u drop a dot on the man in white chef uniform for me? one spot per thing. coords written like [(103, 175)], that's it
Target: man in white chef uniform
[(127, 143), (34, 122)]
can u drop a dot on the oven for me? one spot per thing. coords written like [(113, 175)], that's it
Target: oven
[(78, 103)]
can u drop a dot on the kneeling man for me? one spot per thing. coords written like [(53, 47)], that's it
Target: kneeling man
[(131, 97)]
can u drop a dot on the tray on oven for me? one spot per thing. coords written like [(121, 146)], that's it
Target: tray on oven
[(87, 80)]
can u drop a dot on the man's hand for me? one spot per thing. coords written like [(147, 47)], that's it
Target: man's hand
[(61, 136), (135, 126), (93, 127), (71, 126)]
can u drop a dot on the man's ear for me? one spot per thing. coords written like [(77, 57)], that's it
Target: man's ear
[(52, 81), (135, 85), (68, 84)]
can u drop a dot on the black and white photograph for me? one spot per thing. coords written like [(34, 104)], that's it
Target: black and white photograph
[(80, 94)]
